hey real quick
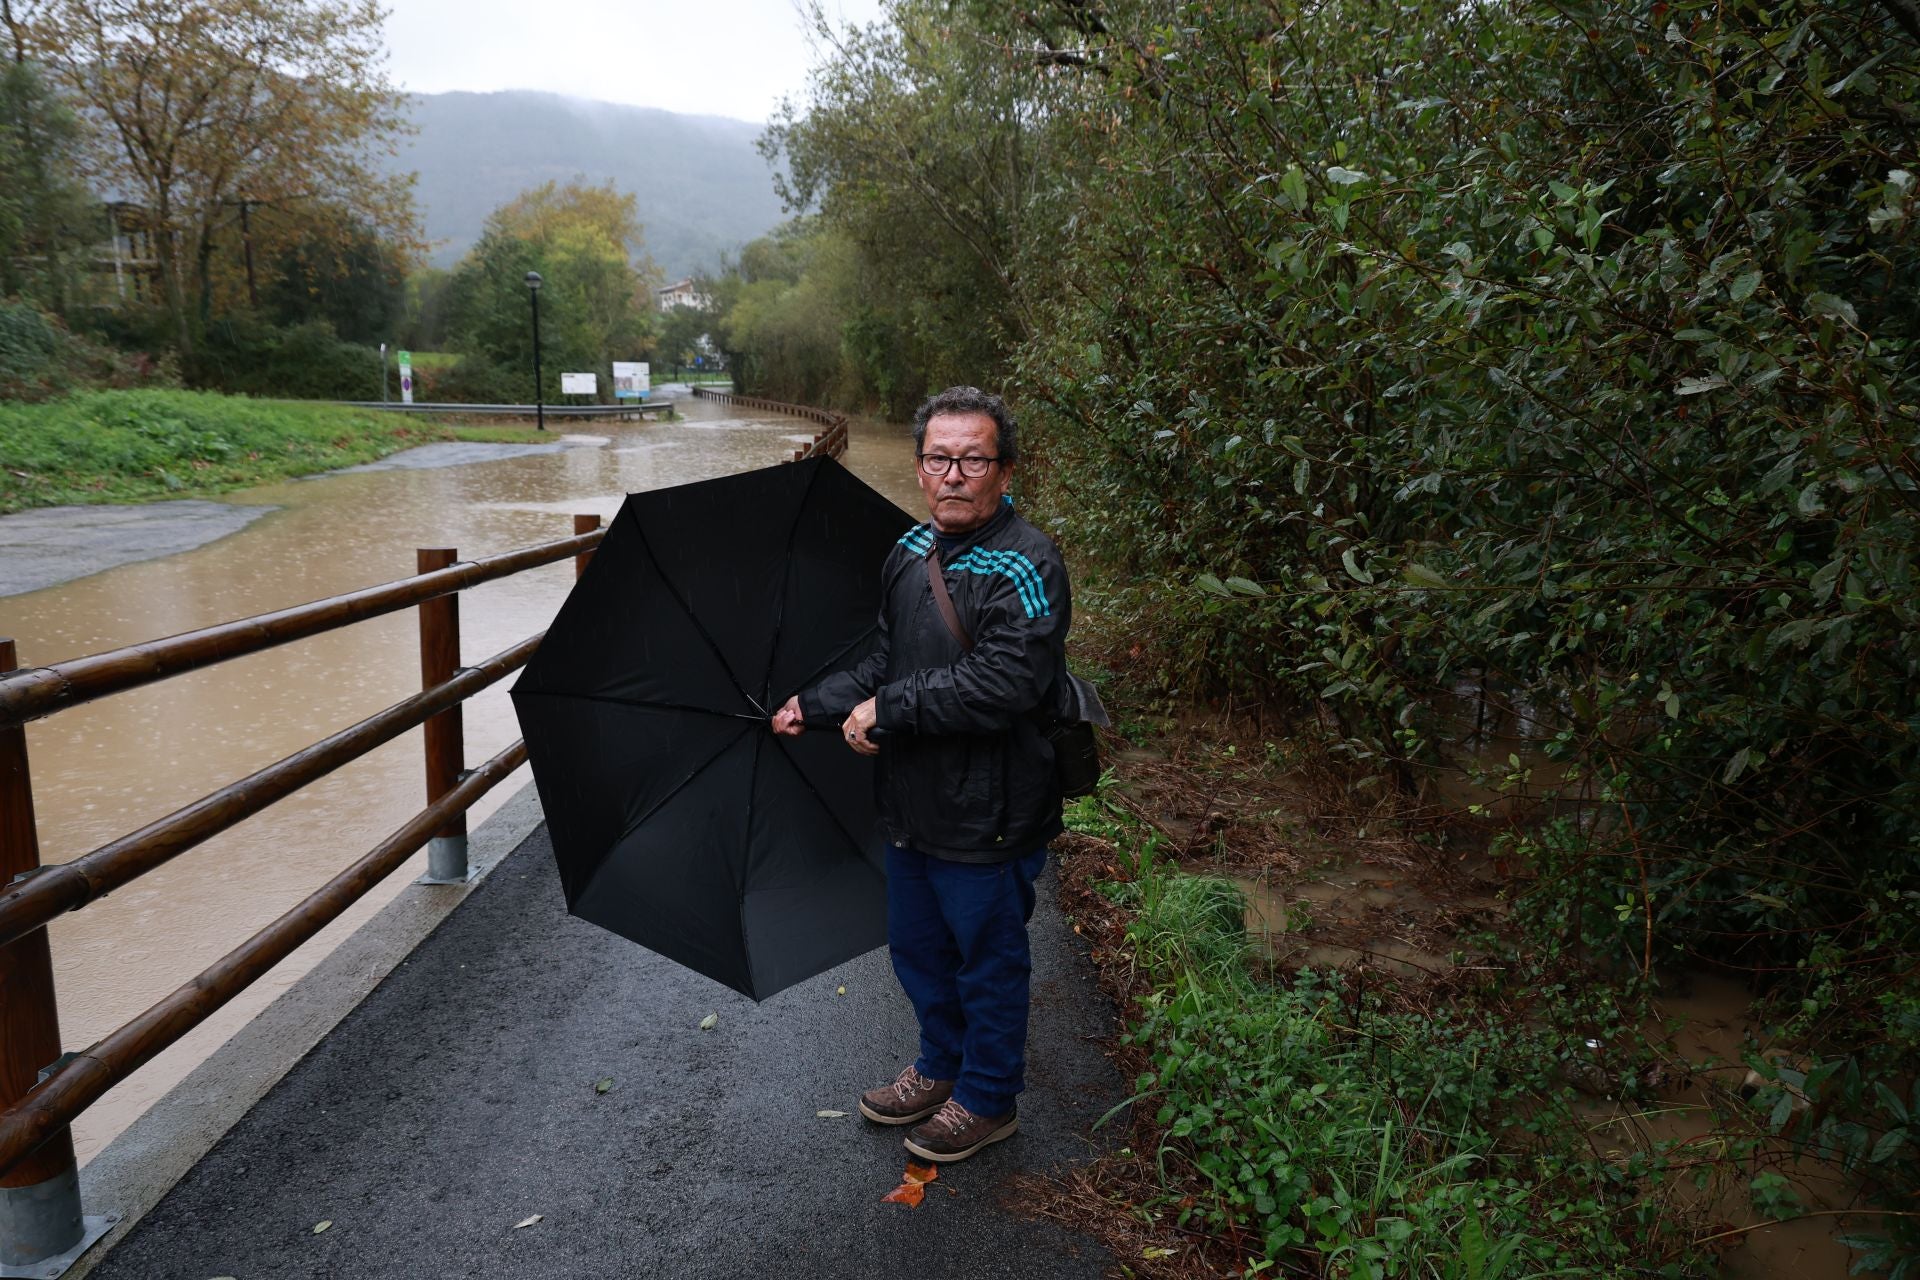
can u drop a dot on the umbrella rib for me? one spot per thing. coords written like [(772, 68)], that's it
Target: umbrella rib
[(739, 888), (680, 786), (648, 703), (647, 546), (805, 781), (834, 657), (786, 584)]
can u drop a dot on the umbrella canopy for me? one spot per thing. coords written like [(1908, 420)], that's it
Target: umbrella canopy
[(678, 819)]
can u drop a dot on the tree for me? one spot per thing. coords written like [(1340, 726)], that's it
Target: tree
[(595, 302), (337, 269), (198, 107), (933, 142), (45, 211)]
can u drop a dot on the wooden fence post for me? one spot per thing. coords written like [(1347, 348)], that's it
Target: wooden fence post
[(583, 524), (446, 732), (40, 1219)]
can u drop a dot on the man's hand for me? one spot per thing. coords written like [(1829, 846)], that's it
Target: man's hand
[(855, 728), (787, 721)]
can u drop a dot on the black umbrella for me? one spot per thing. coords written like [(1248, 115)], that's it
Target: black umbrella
[(678, 819)]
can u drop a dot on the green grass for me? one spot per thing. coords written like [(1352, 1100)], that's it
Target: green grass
[(138, 446), (1328, 1131)]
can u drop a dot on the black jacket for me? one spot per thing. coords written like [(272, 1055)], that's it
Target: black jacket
[(964, 772)]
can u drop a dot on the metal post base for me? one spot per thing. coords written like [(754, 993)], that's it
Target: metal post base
[(42, 1231), (446, 861)]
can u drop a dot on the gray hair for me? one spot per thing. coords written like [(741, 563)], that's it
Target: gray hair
[(970, 400)]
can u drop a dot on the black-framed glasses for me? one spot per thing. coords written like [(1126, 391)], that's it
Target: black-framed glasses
[(938, 464)]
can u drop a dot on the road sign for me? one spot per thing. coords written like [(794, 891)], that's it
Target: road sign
[(406, 377)]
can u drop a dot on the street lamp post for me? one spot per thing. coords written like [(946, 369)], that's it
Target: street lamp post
[(539, 404)]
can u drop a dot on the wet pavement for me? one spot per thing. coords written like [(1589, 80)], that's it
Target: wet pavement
[(58, 544), (459, 1101)]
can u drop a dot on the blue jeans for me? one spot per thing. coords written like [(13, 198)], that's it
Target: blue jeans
[(958, 935)]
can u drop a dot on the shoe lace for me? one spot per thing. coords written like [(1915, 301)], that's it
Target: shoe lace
[(910, 1082), (952, 1116)]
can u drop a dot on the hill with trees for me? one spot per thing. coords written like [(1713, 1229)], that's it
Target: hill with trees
[(700, 187)]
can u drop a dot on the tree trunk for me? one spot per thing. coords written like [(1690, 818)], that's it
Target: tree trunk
[(167, 252), (203, 274)]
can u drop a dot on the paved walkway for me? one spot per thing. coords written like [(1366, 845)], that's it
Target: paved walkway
[(51, 545), (459, 1100)]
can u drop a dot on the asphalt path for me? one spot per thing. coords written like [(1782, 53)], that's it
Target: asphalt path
[(51, 545), (460, 1099)]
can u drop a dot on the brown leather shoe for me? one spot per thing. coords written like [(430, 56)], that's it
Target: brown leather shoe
[(955, 1133), (909, 1098)]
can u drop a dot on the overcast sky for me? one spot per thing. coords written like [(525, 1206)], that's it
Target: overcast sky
[(708, 57)]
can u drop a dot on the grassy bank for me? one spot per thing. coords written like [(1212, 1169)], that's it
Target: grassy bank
[(137, 446), (1356, 1049), (1319, 1123)]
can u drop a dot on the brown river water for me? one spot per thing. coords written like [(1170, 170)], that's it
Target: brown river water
[(104, 769)]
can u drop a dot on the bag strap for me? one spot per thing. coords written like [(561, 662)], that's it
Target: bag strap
[(937, 581)]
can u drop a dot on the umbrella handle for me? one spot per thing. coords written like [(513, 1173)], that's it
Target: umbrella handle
[(874, 734)]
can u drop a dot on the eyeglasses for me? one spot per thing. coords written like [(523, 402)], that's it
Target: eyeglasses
[(937, 464)]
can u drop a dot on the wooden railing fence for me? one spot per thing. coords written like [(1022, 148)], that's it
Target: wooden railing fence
[(43, 1090), (831, 443)]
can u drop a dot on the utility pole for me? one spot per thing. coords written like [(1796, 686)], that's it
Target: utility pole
[(539, 401)]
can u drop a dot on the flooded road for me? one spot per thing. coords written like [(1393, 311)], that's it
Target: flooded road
[(107, 768)]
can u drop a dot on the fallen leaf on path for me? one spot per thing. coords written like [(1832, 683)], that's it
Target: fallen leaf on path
[(831, 1115), (528, 1221), (709, 1022), (842, 991), (913, 1185), (318, 1227), (601, 1086), (1155, 1251)]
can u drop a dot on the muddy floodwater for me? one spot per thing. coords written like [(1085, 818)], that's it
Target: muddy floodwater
[(107, 768)]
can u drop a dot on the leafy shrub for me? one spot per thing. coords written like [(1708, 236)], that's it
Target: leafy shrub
[(245, 355), (40, 358), (477, 380), (1552, 348), (27, 341)]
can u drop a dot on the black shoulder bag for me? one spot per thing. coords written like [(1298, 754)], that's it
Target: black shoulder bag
[(1076, 753)]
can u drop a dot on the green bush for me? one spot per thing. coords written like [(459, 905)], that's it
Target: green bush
[(40, 358), (477, 380), (1568, 351), (245, 355)]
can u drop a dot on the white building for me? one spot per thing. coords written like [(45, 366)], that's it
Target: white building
[(681, 294)]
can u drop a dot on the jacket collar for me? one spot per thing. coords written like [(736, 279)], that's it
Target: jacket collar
[(973, 537)]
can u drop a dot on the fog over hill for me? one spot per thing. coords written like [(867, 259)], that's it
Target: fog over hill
[(700, 186)]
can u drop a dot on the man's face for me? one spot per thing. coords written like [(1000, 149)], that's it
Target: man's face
[(959, 502)]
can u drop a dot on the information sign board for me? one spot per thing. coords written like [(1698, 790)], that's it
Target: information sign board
[(579, 384), (631, 380)]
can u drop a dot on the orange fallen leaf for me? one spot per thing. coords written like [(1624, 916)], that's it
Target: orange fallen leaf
[(913, 1185), (909, 1194)]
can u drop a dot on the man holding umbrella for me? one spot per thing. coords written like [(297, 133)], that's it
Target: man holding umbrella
[(972, 630)]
